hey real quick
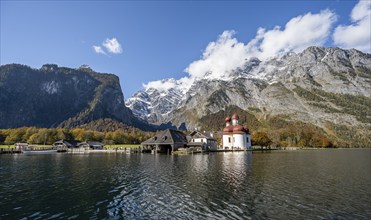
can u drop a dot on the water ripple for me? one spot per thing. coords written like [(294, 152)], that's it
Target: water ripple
[(308, 184)]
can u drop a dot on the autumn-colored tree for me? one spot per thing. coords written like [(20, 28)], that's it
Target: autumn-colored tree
[(40, 137), (98, 136), (33, 139), (119, 137), (3, 136), (78, 134), (261, 138), (108, 136), (29, 131), (15, 135), (61, 134)]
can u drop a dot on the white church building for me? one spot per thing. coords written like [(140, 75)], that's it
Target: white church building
[(235, 136)]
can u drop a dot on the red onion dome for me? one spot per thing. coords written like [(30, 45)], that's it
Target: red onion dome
[(235, 116), (239, 129), (228, 129), (228, 119)]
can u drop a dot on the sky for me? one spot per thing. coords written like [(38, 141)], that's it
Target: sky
[(145, 41)]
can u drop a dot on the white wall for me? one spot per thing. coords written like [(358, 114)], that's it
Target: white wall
[(234, 122), (211, 144), (199, 140), (226, 142), (240, 140)]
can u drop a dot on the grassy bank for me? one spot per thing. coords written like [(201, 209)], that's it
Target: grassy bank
[(118, 146), (33, 145), (121, 146), (6, 146)]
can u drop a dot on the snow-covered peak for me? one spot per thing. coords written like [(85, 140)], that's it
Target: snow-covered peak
[(160, 85), (159, 98)]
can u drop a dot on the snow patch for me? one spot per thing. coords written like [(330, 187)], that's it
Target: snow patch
[(324, 57), (50, 87)]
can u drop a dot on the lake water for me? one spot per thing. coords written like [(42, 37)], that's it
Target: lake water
[(314, 184)]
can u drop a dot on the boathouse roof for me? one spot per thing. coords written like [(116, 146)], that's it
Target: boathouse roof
[(168, 136)]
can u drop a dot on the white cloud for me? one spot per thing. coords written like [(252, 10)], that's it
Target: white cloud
[(227, 53), (112, 46), (358, 34), (361, 10), (98, 49), (109, 46), (299, 33), (166, 84), (219, 57), (161, 85)]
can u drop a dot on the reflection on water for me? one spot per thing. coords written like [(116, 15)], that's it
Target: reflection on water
[(243, 185)]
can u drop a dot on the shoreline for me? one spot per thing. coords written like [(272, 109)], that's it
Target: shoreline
[(138, 150)]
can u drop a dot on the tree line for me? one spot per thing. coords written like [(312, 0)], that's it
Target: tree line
[(275, 132), (33, 135), (282, 131)]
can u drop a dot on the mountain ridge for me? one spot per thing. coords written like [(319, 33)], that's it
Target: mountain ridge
[(327, 89), (55, 96), (331, 67), (316, 86)]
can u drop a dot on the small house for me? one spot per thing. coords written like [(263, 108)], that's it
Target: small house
[(166, 141), (204, 140), (20, 146), (95, 145), (67, 144)]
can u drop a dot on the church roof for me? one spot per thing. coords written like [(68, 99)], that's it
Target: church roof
[(228, 119), (228, 129), (234, 129), (235, 116)]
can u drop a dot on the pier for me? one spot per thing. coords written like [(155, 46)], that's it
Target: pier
[(13, 150), (10, 151)]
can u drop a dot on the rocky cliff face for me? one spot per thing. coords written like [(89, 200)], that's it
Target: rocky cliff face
[(154, 104), (316, 86), (55, 96)]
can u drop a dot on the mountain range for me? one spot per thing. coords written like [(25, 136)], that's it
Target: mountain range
[(328, 89)]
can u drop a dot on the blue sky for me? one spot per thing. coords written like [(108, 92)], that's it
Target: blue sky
[(163, 39)]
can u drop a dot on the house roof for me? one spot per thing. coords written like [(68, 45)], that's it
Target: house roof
[(168, 136), (68, 142), (94, 143), (197, 134), (90, 144), (189, 138)]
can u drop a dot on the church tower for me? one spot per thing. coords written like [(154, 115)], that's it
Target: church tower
[(235, 136)]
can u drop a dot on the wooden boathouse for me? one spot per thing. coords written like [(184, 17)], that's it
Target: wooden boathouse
[(165, 142)]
